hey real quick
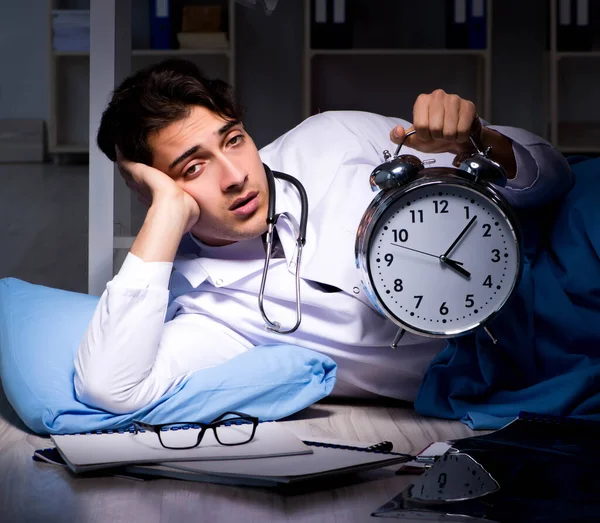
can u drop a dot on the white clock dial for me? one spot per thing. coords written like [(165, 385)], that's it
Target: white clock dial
[(443, 258)]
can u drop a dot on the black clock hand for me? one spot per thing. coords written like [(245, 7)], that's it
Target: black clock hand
[(456, 266), (415, 250), (458, 238)]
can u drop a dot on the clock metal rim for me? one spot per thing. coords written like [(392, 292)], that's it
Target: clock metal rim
[(386, 198)]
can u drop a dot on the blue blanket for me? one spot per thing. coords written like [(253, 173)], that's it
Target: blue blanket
[(548, 356)]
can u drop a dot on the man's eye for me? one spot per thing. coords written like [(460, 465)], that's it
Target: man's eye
[(236, 140), (194, 169)]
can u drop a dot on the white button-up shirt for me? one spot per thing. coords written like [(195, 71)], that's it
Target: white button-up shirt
[(157, 322)]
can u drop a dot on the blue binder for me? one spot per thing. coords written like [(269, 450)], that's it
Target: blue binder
[(160, 24), (477, 24)]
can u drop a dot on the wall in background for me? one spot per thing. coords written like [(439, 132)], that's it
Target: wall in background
[(24, 59)]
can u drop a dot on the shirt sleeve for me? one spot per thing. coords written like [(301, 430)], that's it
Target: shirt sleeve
[(129, 357), (338, 139), (543, 173)]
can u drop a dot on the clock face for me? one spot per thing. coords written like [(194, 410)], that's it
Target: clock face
[(442, 259)]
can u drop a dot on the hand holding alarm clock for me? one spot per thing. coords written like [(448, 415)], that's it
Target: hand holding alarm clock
[(439, 248)]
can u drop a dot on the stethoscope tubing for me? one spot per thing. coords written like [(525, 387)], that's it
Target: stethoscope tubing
[(272, 218)]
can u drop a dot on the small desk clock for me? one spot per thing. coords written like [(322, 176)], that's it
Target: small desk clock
[(439, 248)]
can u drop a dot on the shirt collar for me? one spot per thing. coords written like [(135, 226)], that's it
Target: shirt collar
[(221, 266), (289, 209)]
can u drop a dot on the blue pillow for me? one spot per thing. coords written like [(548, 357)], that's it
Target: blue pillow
[(40, 330)]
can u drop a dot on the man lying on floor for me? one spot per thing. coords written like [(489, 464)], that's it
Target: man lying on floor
[(186, 297)]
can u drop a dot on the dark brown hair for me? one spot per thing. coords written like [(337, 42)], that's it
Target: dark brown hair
[(154, 97)]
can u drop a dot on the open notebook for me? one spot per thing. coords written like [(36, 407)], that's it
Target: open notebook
[(84, 452)]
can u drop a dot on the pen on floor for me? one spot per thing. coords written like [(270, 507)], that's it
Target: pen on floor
[(383, 447)]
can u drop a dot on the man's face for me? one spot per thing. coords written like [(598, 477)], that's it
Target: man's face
[(216, 162)]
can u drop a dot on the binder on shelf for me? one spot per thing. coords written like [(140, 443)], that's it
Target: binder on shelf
[(332, 24), (457, 28), (71, 30), (582, 25), (564, 25), (574, 31), (466, 24), (477, 24), (160, 24)]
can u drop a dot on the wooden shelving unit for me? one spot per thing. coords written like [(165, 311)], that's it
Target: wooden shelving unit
[(322, 91)]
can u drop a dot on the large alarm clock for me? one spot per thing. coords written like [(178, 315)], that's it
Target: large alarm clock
[(439, 248)]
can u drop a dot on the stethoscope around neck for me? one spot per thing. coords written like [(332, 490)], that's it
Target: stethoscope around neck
[(272, 218)]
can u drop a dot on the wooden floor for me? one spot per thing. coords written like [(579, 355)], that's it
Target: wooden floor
[(38, 492)]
